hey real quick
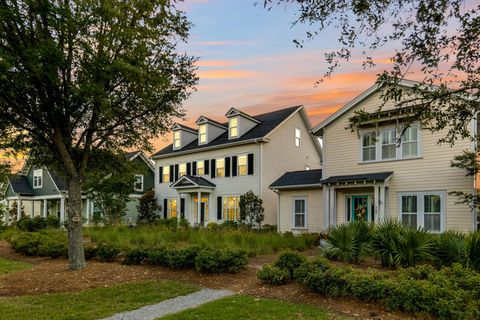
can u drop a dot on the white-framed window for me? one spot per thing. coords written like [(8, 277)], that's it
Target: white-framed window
[(182, 169), (298, 137), (299, 213), (233, 127), (202, 132), (231, 208), (242, 164), (220, 167), (138, 184), (171, 207), (389, 144), (200, 168), (423, 209), (166, 174), (37, 178), (177, 136), (369, 149), (410, 142)]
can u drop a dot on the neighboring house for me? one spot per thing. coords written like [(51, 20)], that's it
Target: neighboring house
[(203, 173), (367, 175), (39, 191)]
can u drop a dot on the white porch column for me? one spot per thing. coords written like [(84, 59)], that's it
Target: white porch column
[(376, 203), (45, 208), (382, 202), (87, 211), (7, 214), (19, 208), (32, 209), (62, 210), (326, 207), (199, 205), (333, 206)]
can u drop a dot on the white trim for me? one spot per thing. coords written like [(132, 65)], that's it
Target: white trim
[(295, 129), (36, 175), (203, 119), (238, 164), (135, 183), (178, 126), (179, 139), (313, 186), (201, 125), (305, 213), (421, 208), (230, 136)]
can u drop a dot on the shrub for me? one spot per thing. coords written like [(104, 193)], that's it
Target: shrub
[(474, 250), (90, 252), (451, 247), (46, 243), (148, 208), (134, 256), (349, 242), (159, 256), (184, 224), (170, 223), (183, 258), (213, 226), (301, 273), (273, 275), (229, 225), (52, 221), (218, 261), (107, 253), (289, 260), (384, 241), (414, 246), (37, 223)]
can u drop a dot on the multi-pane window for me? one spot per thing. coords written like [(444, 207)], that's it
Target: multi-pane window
[(37, 178), (202, 131), (410, 142), (368, 147), (231, 208), (166, 174), (299, 213), (233, 127), (182, 169), (297, 137), (423, 209), (200, 168), (177, 139), (220, 168), (389, 144), (138, 184), (172, 207), (242, 165)]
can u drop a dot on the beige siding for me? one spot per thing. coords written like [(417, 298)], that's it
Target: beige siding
[(280, 155), (430, 172), (314, 210)]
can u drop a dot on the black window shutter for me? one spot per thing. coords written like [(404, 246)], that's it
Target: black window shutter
[(194, 168), (219, 208), (212, 174), (250, 163), (160, 174), (176, 172), (182, 208), (206, 166), (189, 168), (171, 173), (234, 166), (227, 167), (165, 208)]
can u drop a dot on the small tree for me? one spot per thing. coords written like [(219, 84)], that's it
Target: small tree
[(3, 211), (251, 209), (13, 212), (148, 208)]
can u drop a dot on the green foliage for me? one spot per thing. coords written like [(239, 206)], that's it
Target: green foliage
[(159, 256), (134, 256), (289, 260), (183, 258), (148, 208), (349, 242), (413, 246), (108, 253), (474, 250), (90, 252), (301, 273), (273, 274), (3, 213), (384, 241), (37, 223), (251, 209), (169, 223), (220, 261), (451, 247), (45, 243)]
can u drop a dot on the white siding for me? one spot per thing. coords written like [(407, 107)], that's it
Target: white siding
[(314, 210)]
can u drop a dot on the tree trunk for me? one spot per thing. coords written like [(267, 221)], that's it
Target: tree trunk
[(76, 256)]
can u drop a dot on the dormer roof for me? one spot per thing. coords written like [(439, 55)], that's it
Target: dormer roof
[(179, 126), (235, 112), (203, 119)]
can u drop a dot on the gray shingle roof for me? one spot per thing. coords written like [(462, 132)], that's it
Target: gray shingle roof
[(200, 181), (269, 121), (377, 176), (20, 184), (59, 181), (299, 178)]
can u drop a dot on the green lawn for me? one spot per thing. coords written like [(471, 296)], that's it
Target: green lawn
[(92, 304), (246, 307), (9, 266)]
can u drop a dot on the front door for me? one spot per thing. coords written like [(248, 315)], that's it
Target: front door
[(360, 208)]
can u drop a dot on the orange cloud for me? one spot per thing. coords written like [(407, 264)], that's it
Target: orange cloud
[(216, 43), (215, 63), (225, 74)]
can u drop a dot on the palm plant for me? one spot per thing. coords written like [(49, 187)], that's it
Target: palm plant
[(451, 247), (349, 242), (385, 238), (413, 246), (474, 250)]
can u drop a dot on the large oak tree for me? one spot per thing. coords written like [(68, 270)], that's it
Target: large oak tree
[(79, 76)]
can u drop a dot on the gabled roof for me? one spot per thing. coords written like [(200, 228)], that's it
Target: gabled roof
[(179, 126), (203, 119), (20, 185), (364, 95), (268, 122), (234, 111), (135, 154), (304, 178), (366, 177), (192, 181)]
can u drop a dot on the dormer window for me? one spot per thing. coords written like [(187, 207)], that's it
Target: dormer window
[(202, 133), (37, 178), (176, 139), (233, 127)]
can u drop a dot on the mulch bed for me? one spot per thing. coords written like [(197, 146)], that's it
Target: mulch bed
[(52, 276)]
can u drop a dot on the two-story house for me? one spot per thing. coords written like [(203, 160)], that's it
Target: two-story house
[(203, 173), (38, 191), (373, 172)]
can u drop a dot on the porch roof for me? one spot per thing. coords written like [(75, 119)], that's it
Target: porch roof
[(192, 182), (20, 185), (366, 177), (296, 179)]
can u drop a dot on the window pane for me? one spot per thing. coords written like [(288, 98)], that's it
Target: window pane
[(182, 169), (411, 134), (409, 220), (368, 147), (369, 153), (389, 152), (409, 149), (299, 221), (200, 167), (299, 206), (409, 204), (432, 222), (432, 203)]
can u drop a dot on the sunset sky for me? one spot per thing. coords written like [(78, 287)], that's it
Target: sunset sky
[(248, 60)]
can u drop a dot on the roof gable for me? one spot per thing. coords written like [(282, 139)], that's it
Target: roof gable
[(235, 112)]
